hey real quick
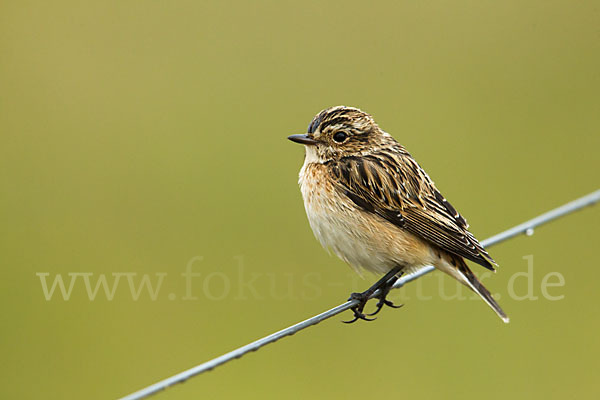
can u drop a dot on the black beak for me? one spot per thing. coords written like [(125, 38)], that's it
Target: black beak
[(303, 139)]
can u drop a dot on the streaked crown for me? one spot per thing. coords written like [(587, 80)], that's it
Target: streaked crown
[(345, 131)]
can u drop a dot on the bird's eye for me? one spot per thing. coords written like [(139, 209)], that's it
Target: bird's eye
[(340, 137)]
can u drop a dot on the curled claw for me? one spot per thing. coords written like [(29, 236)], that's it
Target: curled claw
[(359, 315), (384, 302), (390, 304), (356, 318)]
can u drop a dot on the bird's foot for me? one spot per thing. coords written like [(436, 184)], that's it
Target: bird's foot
[(384, 285), (384, 290), (384, 302), (362, 298)]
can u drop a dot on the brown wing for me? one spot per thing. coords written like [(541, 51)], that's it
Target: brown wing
[(394, 186)]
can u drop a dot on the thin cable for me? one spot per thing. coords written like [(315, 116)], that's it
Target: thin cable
[(526, 227)]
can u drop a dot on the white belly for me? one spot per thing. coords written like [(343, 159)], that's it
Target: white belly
[(362, 239)]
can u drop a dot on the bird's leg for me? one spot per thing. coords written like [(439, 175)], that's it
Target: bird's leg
[(384, 284), (382, 296)]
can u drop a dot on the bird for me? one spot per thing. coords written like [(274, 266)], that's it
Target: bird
[(371, 203)]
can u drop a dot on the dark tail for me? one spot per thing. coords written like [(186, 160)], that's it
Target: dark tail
[(477, 287)]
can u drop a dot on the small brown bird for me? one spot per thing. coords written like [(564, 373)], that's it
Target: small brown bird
[(368, 200)]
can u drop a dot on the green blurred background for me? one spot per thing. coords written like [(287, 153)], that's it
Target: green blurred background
[(137, 135)]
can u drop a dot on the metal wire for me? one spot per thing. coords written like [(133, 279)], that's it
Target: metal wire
[(526, 227)]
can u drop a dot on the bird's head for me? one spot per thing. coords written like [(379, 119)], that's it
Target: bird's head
[(339, 132)]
